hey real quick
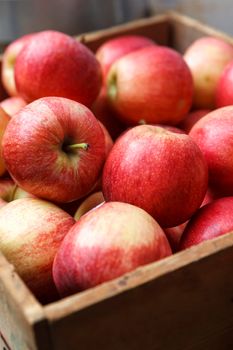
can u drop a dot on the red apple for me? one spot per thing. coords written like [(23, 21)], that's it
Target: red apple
[(3, 93), (105, 243), (113, 49), (174, 234), (8, 64), (191, 119), (55, 64), (89, 203), (12, 105), (206, 58), (210, 221), (107, 138), (106, 115), (224, 95), (151, 85), (213, 134), (31, 231), (158, 171), (54, 148), (4, 120)]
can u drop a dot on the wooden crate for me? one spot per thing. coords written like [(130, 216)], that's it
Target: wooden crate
[(183, 302)]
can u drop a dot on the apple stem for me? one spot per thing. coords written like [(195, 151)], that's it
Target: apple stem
[(84, 146)]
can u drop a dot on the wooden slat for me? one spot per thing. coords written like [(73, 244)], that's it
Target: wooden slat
[(156, 28), (182, 302), (185, 30), (21, 316)]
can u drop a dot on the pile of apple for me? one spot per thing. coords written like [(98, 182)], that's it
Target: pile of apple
[(111, 160)]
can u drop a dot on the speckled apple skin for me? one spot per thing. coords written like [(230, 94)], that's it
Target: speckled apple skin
[(31, 230), (207, 57), (210, 221), (153, 85), (33, 153), (105, 243), (55, 64), (113, 49), (213, 134), (157, 170)]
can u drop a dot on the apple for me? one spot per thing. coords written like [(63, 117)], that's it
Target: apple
[(213, 134), (151, 85), (224, 95), (174, 234), (113, 49), (55, 149), (89, 203), (107, 138), (206, 58), (106, 115), (8, 63), (210, 221), (31, 231), (7, 190), (55, 64), (4, 120), (12, 105), (3, 93), (160, 171), (106, 243), (191, 119)]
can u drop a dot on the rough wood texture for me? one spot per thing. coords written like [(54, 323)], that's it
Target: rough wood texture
[(182, 302), (156, 28), (20, 313), (185, 30)]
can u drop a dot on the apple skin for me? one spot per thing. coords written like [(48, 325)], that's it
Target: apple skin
[(206, 58), (60, 66), (3, 93), (158, 171), (89, 203), (4, 120), (224, 95), (8, 63), (35, 149), (103, 111), (31, 231), (191, 119), (210, 221), (106, 243), (151, 85), (213, 133), (113, 49), (7, 189), (12, 105), (174, 234)]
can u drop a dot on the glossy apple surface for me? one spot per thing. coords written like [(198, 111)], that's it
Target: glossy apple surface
[(8, 63), (206, 58), (150, 85), (55, 64), (210, 221), (191, 119), (224, 94), (213, 134), (31, 230), (105, 243), (4, 120), (157, 170), (12, 105), (54, 148), (113, 49), (89, 203)]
